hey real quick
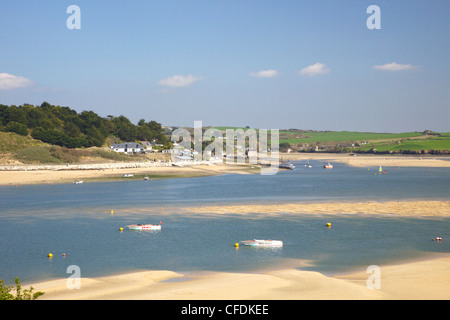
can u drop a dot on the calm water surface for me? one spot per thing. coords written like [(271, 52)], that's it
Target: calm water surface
[(76, 220)]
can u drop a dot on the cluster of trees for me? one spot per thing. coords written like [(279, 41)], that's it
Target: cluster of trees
[(67, 128)]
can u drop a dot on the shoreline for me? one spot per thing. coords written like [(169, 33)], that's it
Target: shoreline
[(421, 279), (44, 174), (24, 177), (372, 160)]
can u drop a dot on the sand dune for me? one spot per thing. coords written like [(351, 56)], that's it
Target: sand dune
[(427, 279)]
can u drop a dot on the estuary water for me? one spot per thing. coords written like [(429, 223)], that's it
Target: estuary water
[(76, 220)]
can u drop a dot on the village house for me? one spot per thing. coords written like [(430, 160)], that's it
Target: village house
[(128, 147), (147, 145)]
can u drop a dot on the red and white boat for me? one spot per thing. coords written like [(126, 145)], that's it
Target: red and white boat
[(145, 226), (262, 243), (328, 165)]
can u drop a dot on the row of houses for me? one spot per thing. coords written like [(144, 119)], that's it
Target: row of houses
[(134, 147)]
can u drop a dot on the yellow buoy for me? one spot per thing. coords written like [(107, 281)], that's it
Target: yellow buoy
[(50, 255), (120, 229), (112, 212), (236, 244), (328, 224)]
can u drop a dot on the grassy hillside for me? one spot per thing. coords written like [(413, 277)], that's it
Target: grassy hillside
[(15, 148)]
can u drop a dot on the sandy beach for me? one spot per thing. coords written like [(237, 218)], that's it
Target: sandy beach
[(428, 279), (22, 177), (371, 160)]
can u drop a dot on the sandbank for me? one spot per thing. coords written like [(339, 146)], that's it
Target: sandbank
[(395, 208), (423, 280)]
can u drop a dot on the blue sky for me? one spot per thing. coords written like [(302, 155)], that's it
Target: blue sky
[(266, 64)]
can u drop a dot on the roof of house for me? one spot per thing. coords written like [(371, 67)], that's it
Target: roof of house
[(128, 145)]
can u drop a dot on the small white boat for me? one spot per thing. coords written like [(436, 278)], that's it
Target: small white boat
[(78, 182), (145, 226), (328, 165), (287, 165), (262, 243), (127, 175)]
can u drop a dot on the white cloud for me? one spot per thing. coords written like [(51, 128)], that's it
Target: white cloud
[(265, 74), (394, 66), (10, 81), (315, 69), (180, 81)]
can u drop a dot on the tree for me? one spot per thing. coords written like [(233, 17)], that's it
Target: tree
[(17, 127), (65, 127), (284, 146), (125, 130), (5, 292)]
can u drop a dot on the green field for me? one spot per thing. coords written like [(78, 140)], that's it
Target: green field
[(341, 141), (439, 143), (343, 136)]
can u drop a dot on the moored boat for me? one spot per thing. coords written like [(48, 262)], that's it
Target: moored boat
[(328, 165), (262, 243), (145, 226), (287, 165)]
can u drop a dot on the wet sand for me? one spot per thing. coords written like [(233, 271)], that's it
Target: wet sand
[(395, 208)]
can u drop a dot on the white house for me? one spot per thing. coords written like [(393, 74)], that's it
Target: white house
[(128, 147), (147, 145)]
